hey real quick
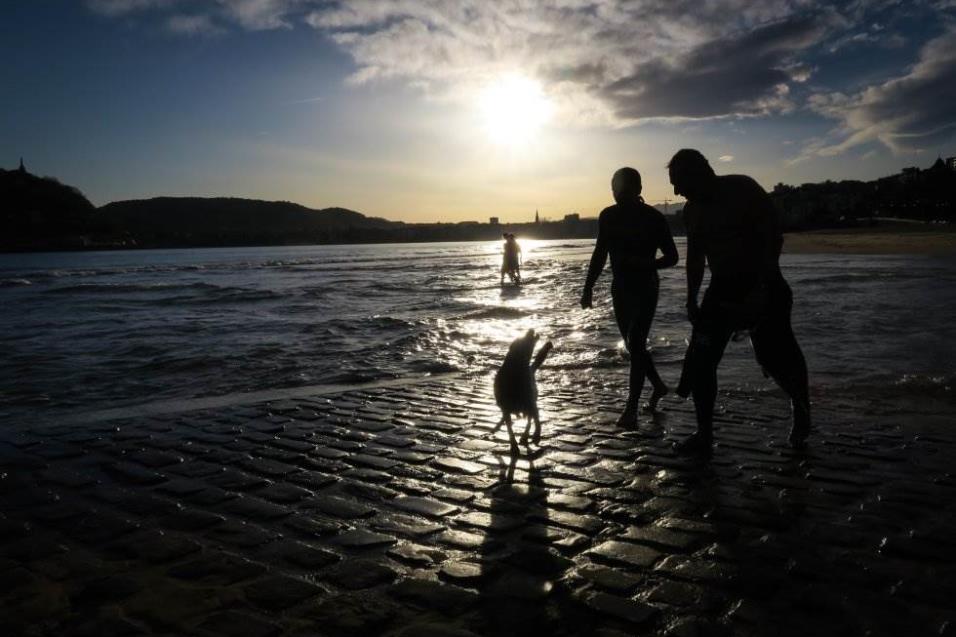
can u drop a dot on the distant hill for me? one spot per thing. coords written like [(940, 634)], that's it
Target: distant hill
[(195, 221), (40, 212)]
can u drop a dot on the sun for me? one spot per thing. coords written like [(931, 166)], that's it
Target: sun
[(514, 108)]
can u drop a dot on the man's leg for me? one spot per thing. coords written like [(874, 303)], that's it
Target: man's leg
[(709, 339), (778, 352)]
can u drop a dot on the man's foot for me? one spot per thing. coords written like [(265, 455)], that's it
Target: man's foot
[(628, 418), (656, 395), (697, 444), (800, 430)]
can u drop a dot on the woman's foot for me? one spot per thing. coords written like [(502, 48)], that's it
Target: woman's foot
[(656, 395)]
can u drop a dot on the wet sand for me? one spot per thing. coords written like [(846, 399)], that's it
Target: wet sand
[(887, 239)]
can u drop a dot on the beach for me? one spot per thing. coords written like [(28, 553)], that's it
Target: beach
[(298, 441), (899, 238), (392, 510)]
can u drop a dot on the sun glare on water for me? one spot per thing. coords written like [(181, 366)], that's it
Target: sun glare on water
[(513, 110)]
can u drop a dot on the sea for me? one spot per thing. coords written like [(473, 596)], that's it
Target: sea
[(87, 331)]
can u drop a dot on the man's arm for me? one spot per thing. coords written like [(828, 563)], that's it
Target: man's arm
[(765, 232), (598, 259), (669, 256), (696, 261)]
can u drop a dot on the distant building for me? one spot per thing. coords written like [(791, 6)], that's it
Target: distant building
[(493, 221), (572, 218), (951, 163), (909, 174), (537, 219), (22, 169)]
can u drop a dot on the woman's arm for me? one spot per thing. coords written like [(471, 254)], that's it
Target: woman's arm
[(598, 259)]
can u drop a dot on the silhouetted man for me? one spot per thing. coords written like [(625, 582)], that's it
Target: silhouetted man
[(732, 225), (632, 232)]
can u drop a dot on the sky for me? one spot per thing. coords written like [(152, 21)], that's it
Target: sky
[(454, 110)]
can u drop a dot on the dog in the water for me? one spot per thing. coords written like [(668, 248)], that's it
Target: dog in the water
[(515, 389)]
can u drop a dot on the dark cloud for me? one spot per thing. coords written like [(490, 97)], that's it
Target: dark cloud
[(744, 74)]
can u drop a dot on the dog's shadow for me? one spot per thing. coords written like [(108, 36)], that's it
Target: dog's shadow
[(521, 568)]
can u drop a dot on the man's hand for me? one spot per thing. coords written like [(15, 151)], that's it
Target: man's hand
[(586, 298), (693, 311)]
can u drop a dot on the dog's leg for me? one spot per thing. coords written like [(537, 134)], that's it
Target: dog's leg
[(498, 426), (511, 436), (527, 430), (536, 439)]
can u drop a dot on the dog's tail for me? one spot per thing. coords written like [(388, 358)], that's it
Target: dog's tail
[(542, 354)]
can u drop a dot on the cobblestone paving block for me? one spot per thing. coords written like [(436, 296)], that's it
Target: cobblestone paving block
[(216, 568), (458, 465), (157, 547), (423, 506), (629, 610), (305, 555), (231, 623), (353, 613), (445, 598), (613, 580), (338, 507), (256, 509), (361, 538), (278, 592), (405, 525), (356, 574)]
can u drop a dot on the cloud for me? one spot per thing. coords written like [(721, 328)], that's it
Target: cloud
[(602, 62), (122, 7), (192, 25), (252, 15), (903, 112), (726, 158)]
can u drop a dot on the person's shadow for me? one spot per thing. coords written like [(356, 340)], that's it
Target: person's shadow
[(510, 291)]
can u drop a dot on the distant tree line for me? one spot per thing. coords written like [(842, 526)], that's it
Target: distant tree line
[(925, 195), (40, 213)]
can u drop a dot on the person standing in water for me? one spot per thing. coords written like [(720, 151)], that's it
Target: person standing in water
[(732, 227), (632, 232), (511, 261)]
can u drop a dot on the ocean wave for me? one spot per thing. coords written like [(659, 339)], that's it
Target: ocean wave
[(496, 313), (14, 283), (113, 288)]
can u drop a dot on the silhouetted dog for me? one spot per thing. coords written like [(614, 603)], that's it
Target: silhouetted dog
[(515, 389)]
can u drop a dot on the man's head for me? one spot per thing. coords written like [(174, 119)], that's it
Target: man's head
[(691, 174), (626, 185)]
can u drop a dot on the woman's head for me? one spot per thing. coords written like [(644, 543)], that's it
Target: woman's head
[(626, 185)]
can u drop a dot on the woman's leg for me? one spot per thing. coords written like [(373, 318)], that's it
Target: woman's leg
[(639, 353), (625, 314)]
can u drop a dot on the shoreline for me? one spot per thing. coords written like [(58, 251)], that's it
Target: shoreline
[(913, 239)]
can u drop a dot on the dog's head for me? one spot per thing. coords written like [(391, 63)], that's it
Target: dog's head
[(520, 350)]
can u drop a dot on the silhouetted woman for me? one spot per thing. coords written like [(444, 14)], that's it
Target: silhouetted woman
[(632, 232)]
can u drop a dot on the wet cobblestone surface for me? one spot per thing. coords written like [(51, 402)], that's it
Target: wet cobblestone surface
[(394, 511)]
